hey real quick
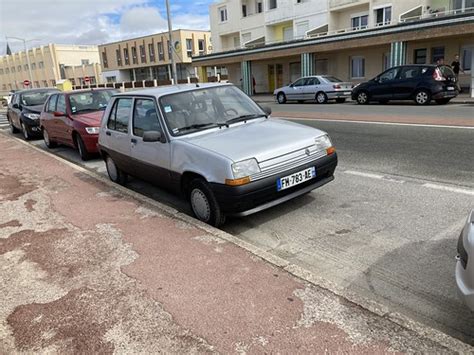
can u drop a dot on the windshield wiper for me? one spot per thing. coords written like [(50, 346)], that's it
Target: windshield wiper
[(201, 125), (244, 118)]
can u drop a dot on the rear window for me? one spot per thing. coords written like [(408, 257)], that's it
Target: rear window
[(332, 79), (446, 71)]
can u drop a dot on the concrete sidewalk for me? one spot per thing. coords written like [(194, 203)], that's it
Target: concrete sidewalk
[(86, 266)]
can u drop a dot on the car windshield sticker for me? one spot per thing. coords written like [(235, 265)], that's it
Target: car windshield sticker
[(175, 130), (73, 109), (168, 109)]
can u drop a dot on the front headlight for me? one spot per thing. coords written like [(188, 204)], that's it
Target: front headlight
[(324, 143), (245, 168), (92, 130), (31, 116)]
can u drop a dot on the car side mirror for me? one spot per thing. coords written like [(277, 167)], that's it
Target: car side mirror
[(152, 136), (290, 85), (59, 114), (16, 106), (267, 110), (376, 79)]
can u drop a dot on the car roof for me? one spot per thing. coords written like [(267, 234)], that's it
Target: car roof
[(35, 90), (171, 89), (87, 90)]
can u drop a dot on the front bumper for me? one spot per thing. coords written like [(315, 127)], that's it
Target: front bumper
[(465, 263), (32, 126), (464, 291), (262, 194), (91, 141)]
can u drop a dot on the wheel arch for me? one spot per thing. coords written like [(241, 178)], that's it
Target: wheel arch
[(186, 179)]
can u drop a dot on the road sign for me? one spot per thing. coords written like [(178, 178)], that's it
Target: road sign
[(86, 79), (26, 82)]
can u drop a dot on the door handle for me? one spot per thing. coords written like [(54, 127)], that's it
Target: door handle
[(108, 133), (133, 140)]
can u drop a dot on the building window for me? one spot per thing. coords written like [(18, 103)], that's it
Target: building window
[(53, 82), (1, 71), (111, 79), (151, 51), (386, 61), (119, 57), (33, 66), (125, 56), (19, 68), (40, 65), (246, 37), (359, 22), (13, 69), (437, 54), (104, 60), (201, 46), (189, 47), (85, 62), (25, 66), (134, 55), (463, 5), (357, 67), (259, 7), (222, 14), (142, 54), (161, 54), (420, 56), (301, 29), (244, 10), (7, 71), (383, 16), (236, 42), (272, 4), (45, 83), (466, 58)]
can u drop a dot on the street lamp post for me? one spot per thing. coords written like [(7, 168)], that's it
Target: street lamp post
[(27, 55), (170, 29)]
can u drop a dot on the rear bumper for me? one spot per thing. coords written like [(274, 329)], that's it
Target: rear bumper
[(262, 194), (339, 94), (445, 94)]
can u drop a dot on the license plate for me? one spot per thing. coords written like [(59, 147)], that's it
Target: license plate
[(450, 88), (296, 178), (347, 93)]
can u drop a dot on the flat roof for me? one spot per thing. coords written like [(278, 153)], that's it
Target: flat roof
[(151, 35)]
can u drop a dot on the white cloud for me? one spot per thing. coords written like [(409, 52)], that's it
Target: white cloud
[(141, 20)]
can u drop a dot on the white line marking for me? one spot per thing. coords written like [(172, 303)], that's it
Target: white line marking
[(368, 175), (378, 123), (450, 189)]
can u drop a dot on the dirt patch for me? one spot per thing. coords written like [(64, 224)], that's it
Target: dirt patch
[(29, 205), (12, 223), (12, 188)]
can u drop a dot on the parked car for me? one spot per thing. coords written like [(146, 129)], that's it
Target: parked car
[(465, 263), (73, 119), (5, 101), (421, 83), (319, 87), (214, 145), (24, 111)]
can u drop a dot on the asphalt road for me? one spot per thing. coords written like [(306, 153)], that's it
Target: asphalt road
[(386, 228)]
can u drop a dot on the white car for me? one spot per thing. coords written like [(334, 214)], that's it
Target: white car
[(465, 263)]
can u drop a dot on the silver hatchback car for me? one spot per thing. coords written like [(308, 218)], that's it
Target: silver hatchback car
[(319, 87), (465, 263), (214, 145)]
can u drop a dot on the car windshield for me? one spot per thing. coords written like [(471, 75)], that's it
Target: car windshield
[(90, 100), (332, 79), (35, 98), (205, 108)]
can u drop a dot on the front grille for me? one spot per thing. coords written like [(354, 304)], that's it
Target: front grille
[(463, 257), (287, 162)]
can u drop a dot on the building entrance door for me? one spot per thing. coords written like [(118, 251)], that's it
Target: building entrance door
[(275, 76)]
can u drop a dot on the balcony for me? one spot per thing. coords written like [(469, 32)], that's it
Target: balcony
[(335, 5)]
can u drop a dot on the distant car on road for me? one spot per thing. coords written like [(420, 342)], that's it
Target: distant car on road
[(421, 83), (73, 118), (319, 87), (465, 263), (214, 145), (24, 110)]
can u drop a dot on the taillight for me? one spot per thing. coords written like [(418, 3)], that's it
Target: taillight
[(438, 76), (336, 86)]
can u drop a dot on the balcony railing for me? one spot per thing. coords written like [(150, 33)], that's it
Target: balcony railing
[(343, 3)]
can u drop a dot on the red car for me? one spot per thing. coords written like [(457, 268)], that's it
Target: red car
[(73, 118)]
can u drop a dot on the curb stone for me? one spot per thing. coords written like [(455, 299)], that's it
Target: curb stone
[(295, 270)]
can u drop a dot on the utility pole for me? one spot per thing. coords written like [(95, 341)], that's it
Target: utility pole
[(171, 49), (27, 56)]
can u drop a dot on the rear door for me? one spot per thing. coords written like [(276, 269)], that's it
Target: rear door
[(311, 87), (116, 139), (63, 122), (151, 159), (14, 113), (407, 82)]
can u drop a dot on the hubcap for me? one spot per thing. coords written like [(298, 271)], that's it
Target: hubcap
[(79, 147), (362, 97), (25, 132), (281, 98), (46, 137), (200, 205), (111, 169), (422, 97), (321, 98)]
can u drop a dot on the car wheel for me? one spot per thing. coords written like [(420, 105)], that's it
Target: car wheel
[(115, 174), (321, 98), (281, 98), (422, 97), (24, 130), (340, 100), (204, 204), (47, 141), (362, 98), (81, 147), (442, 101), (13, 129)]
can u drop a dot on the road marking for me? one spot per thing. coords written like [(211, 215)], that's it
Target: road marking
[(360, 173), (3, 121), (449, 188), (374, 122)]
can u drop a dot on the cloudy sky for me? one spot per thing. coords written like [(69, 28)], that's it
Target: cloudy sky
[(93, 21)]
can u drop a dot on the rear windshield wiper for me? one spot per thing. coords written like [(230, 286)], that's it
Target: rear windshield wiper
[(245, 118)]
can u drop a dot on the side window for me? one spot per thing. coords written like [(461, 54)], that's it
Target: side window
[(410, 72), (145, 117), (312, 81), (52, 103), (389, 75), (299, 82), (61, 104), (120, 115)]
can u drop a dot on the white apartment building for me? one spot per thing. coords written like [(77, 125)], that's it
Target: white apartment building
[(276, 41)]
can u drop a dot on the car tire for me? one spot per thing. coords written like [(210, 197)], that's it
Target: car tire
[(115, 174), (204, 204), (47, 141), (442, 101), (281, 98), (422, 97), (362, 98), (13, 129), (25, 132), (340, 101), (81, 148), (321, 98)]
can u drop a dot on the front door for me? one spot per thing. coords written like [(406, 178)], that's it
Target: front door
[(48, 119), (296, 90), (63, 123), (151, 160), (407, 81), (382, 89), (275, 77)]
